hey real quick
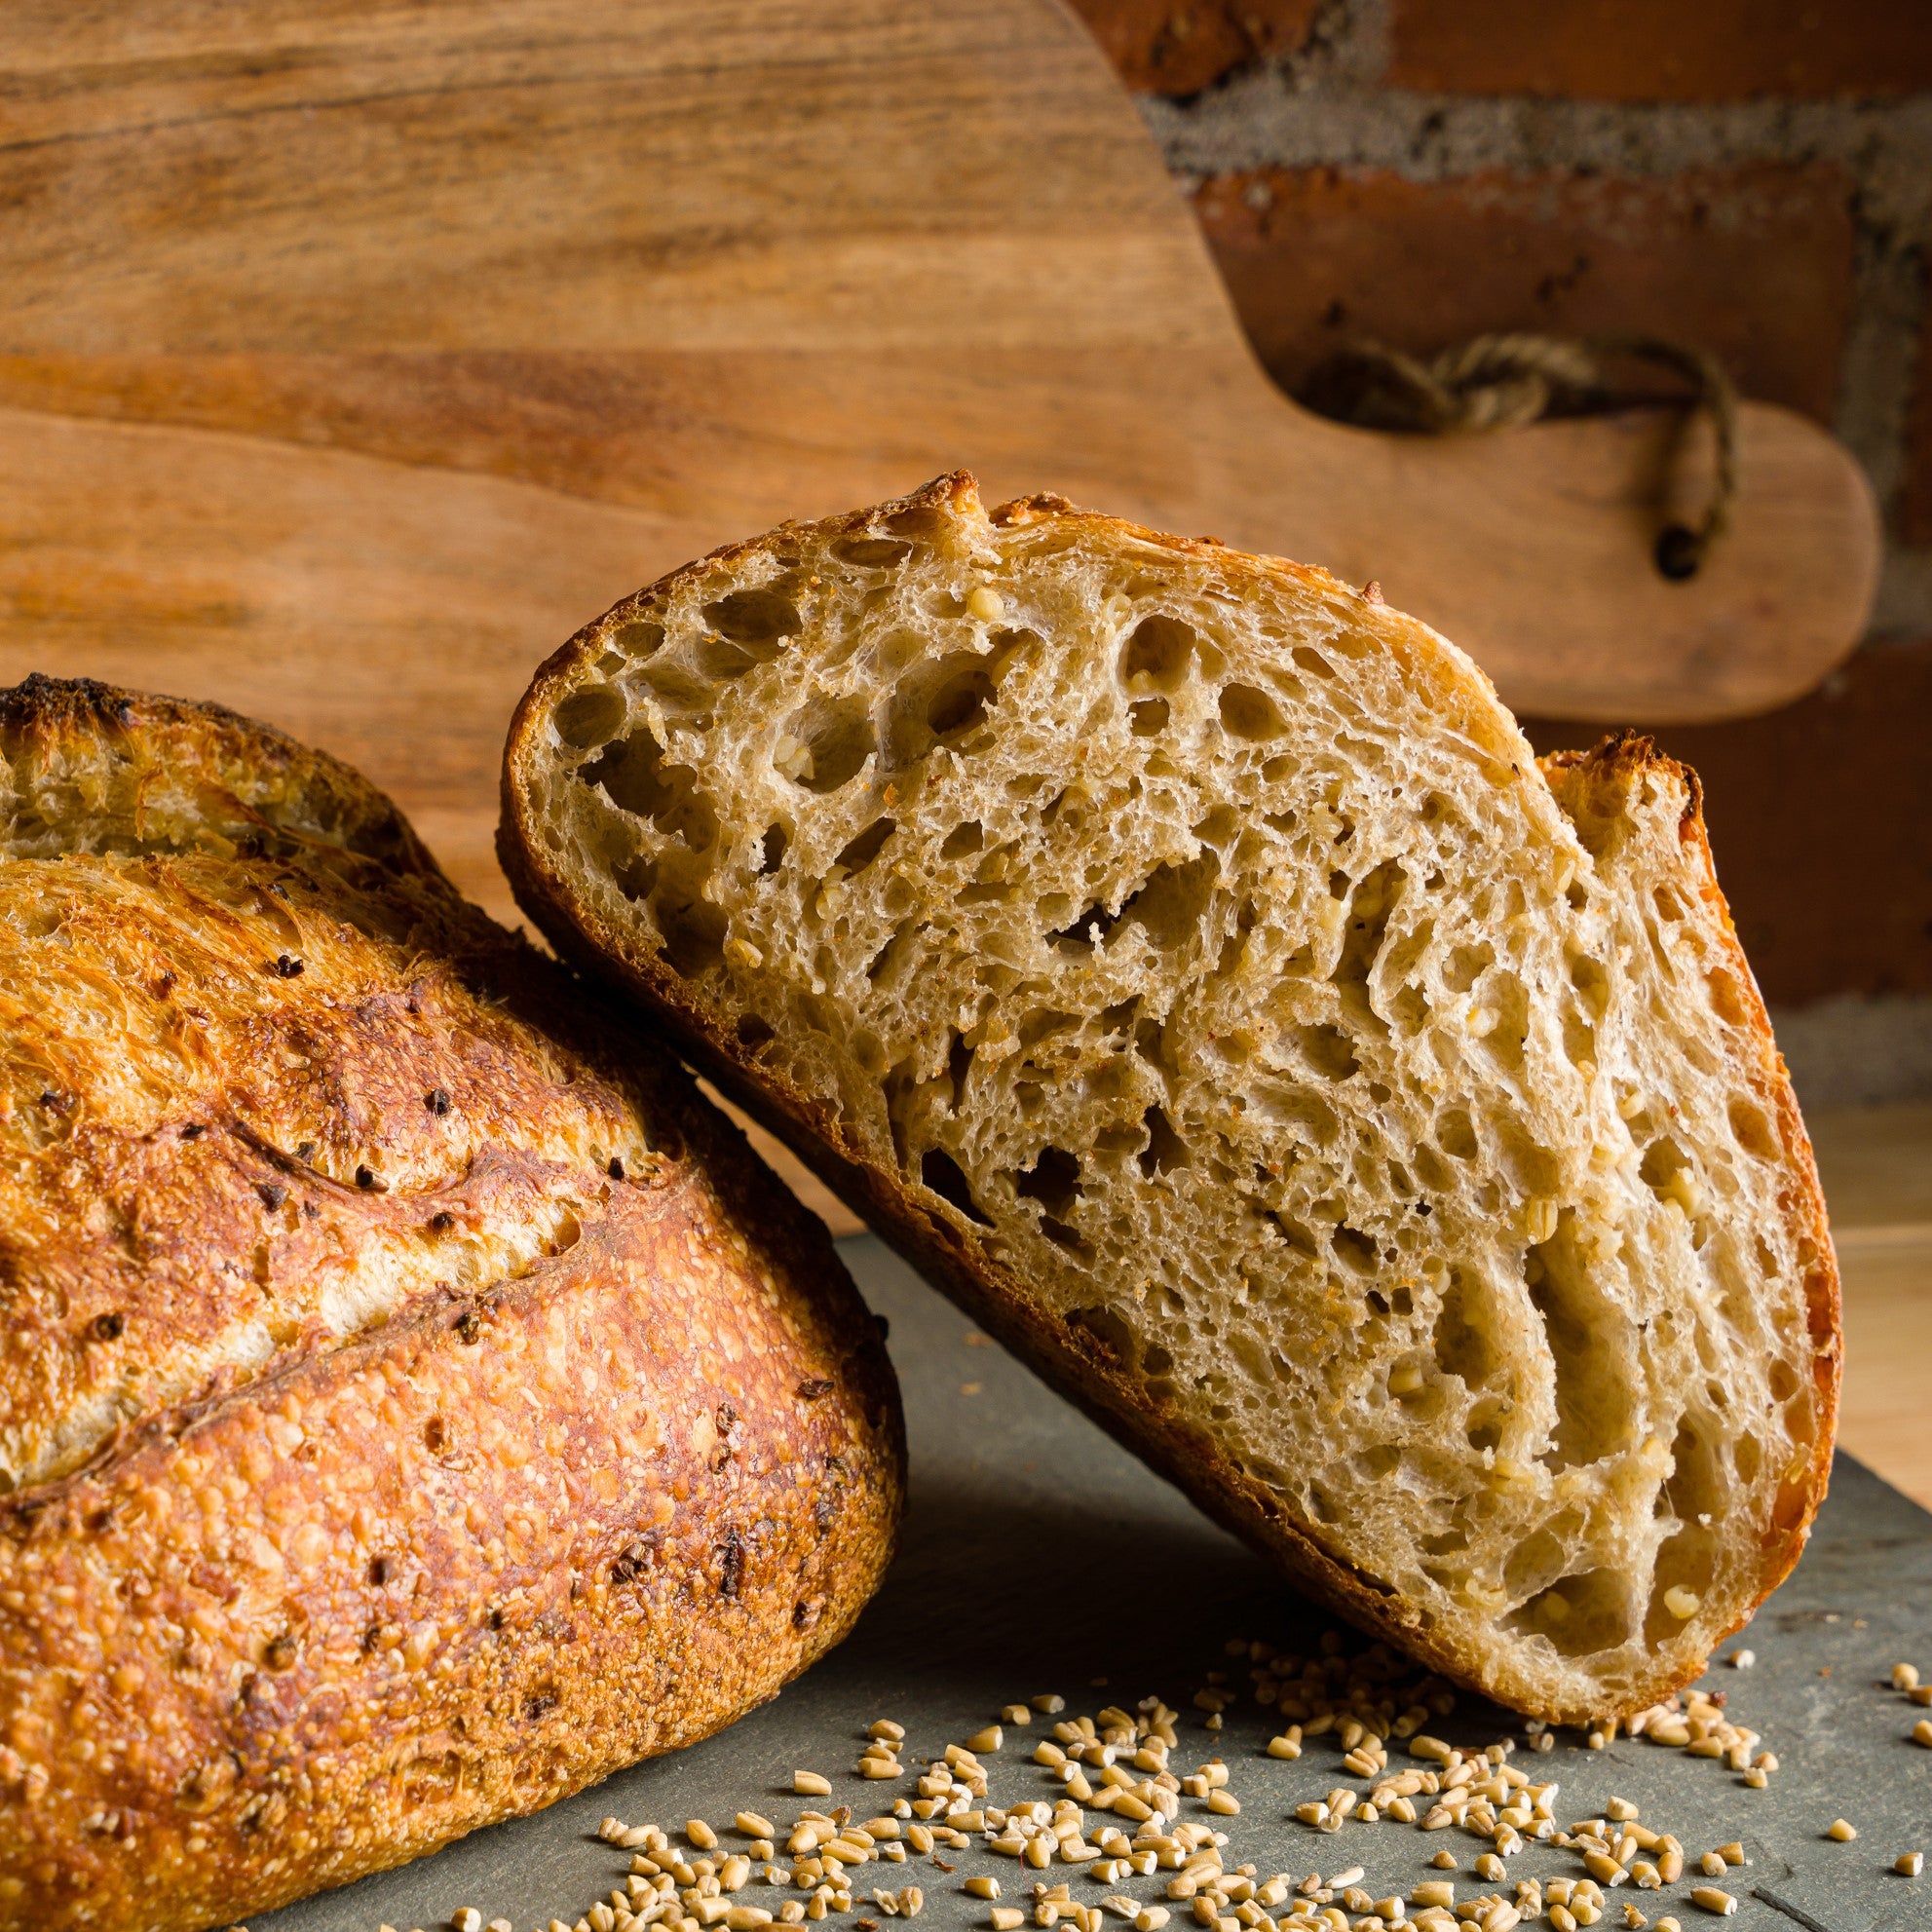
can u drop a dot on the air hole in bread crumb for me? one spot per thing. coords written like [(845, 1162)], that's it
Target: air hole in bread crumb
[(694, 935), (752, 1033), (1504, 1024), (1042, 1021), (1484, 1427), (942, 1175), (860, 851), (1752, 1129), (772, 850), (1457, 1134), (721, 661), (1356, 1251), (922, 520), (1370, 904), (1590, 1344), (1312, 662), (1686, 1564), (1329, 1050), (1171, 906), (1467, 964), (761, 620), (634, 777), (1726, 997), (893, 954), (1219, 828), (1592, 981), (1053, 1180), (1464, 1344), (635, 877), (1155, 1044), (960, 703), (1579, 1616), (588, 715), (871, 553), (1165, 1149), (1695, 1486), (1538, 1558), (959, 1065), (1665, 1170), (826, 744), (680, 691), (1062, 1235), (1149, 718), (942, 701), (962, 840), (1109, 1328), (1249, 714), (1580, 1039), (639, 637), (1157, 654), (1092, 929)]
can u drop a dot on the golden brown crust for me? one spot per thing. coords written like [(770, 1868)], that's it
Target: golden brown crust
[(1064, 1353), (176, 775), (457, 1412)]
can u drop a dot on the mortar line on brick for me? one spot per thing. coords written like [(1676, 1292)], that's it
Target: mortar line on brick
[(1269, 116), (1321, 109), (1878, 368), (1902, 608)]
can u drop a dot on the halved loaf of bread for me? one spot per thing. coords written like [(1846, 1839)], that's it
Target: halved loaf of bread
[(1183, 957), (417, 1402)]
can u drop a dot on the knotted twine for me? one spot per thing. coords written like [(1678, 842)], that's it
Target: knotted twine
[(1500, 382)]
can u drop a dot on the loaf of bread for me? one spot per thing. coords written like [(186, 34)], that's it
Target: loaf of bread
[(1183, 957), (415, 1403)]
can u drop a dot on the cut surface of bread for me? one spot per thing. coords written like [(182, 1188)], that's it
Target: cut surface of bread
[(1183, 957), (417, 1402)]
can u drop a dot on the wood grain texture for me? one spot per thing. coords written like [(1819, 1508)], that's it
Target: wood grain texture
[(354, 357)]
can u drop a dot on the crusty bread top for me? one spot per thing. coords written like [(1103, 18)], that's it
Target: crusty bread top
[(265, 1078), (1183, 954)]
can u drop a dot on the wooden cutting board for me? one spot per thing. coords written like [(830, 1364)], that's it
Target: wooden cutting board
[(351, 356)]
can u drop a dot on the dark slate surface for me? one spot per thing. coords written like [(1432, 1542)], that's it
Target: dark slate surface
[(1038, 1555)]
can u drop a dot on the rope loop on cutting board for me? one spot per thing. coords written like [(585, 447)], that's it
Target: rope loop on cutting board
[(1501, 381)]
